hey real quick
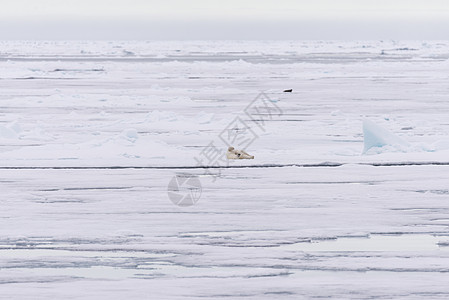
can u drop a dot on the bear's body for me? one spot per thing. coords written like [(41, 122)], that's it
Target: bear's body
[(237, 154)]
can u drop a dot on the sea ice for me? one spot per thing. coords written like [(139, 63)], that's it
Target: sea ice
[(8, 132), (375, 136)]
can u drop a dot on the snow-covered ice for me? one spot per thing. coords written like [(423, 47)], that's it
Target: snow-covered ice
[(347, 196)]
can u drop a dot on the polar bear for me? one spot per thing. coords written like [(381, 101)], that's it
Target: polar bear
[(238, 154)]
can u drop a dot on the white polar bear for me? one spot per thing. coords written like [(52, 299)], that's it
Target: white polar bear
[(238, 154)]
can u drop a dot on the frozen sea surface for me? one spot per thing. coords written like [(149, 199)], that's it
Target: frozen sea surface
[(91, 134)]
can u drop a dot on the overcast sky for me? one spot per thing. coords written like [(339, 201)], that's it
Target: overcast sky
[(226, 19)]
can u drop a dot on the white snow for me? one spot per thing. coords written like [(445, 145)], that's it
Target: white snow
[(91, 134)]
